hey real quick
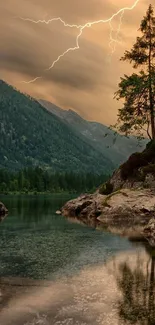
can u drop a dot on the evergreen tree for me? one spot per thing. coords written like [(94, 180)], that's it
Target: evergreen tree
[(138, 89), (39, 180)]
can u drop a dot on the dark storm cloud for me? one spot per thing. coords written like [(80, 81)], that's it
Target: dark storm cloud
[(68, 72), (75, 11), (84, 80)]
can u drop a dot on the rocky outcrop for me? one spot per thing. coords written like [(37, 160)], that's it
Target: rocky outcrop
[(86, 208), (128, 206), (119, 183), (141, 180), (3, 211), (126, 203), (138, 171), (126, 210)]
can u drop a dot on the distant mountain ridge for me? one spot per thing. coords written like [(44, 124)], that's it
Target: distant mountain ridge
[(117, 149), (32, 136)]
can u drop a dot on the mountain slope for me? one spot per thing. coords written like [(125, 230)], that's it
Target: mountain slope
[(30, 136), (115, 147)]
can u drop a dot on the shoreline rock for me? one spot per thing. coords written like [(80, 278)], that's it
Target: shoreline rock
[(3, 211), (86, 208), (125, 212), (126, 203)]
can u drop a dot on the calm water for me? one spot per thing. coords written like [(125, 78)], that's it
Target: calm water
[(81, 276)]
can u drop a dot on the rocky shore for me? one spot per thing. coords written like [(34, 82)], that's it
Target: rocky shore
[(126, 203), (3, 211), (126, 211)]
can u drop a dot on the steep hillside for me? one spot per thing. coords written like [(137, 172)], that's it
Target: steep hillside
[(30, 136), (116, 147)]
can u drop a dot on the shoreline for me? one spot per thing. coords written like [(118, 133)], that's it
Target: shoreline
[(35, 194), (128, 213)]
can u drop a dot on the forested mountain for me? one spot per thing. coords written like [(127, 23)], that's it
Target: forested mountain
[(115, 147), (31, 136)]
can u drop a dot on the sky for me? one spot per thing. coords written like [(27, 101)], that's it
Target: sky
[(83, 80)]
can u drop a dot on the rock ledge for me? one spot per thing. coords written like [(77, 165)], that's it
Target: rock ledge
[(126, 211)]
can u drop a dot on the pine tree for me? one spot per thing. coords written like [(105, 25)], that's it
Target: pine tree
[(138, 89)]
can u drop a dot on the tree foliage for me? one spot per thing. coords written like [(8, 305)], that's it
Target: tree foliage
[(39, 181), (138, 89)]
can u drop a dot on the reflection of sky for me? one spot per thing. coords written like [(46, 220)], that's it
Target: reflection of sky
[(96, 295)]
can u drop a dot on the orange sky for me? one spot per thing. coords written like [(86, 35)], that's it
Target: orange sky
[(84, 80)]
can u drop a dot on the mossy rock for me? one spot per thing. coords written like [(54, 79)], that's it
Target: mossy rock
[(106, 188), (134, 162), (149, 169), (137, 160), (109, 196), (150, 146)]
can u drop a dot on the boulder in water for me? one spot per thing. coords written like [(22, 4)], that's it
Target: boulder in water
[(58, 212), (3, 210)]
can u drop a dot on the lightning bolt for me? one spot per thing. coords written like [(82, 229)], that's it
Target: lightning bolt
[(114, 41), (33, 80), (81, 28), (68, 50)]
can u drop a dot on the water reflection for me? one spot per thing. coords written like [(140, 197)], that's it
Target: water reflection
[(120, 292), (90, 287), (137, 285), (36, 243), (34, 207)]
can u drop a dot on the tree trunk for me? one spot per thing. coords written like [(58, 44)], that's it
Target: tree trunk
[(150, 87), (152, 124)]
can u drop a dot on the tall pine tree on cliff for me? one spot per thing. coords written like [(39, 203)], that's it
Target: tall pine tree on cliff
[(138, 89)]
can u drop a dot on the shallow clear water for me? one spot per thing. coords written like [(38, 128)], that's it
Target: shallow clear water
[(35, 242), (55, 272)]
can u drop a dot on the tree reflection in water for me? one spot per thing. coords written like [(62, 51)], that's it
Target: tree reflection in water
[(137, 286)]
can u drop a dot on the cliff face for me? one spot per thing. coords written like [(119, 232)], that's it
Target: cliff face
[(126, 203), (138, 171), (144, 179)]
